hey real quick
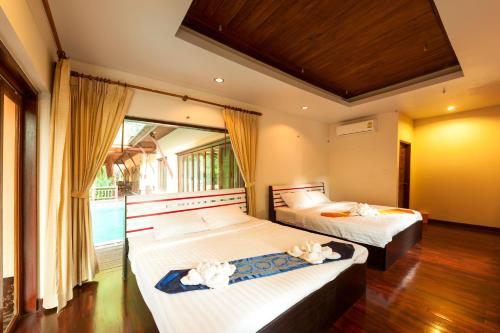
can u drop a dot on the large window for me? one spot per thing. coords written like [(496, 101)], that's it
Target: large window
[(209, 167), (148, 158)]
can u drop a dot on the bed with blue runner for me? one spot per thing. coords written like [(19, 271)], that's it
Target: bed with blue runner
[(253, 268)]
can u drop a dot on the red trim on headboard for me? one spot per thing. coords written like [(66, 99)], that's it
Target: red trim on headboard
[(296, 188), (136, 230), (184, 210), (184, 198)]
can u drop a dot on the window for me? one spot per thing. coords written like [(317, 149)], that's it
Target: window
[(209, 167), (148, 158)]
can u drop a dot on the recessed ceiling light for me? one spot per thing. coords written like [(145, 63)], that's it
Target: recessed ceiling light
[(451, 108), (305, 108), (218, 79)]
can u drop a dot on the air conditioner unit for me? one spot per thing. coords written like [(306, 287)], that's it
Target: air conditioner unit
[(365, 126)]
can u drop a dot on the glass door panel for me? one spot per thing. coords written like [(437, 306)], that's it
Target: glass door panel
[(9, 207)]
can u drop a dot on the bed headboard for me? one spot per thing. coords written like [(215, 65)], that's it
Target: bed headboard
[(143, 212), (275, 191)]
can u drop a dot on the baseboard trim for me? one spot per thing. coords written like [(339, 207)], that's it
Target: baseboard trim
[(466, 225)]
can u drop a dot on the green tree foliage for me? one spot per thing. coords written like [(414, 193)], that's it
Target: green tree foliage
[(102, 180)]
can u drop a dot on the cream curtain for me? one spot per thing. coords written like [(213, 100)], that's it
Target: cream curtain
[(97, 111), (57, 248), (243, 131), (85, 118)]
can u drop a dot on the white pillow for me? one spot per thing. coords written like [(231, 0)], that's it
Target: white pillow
[(219, 217), (297, 199), (318, 197), (179, 224)]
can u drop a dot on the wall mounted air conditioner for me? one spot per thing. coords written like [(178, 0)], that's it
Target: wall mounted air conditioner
[(365, 126)]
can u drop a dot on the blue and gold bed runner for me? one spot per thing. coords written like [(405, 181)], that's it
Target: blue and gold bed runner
[(253, 268)]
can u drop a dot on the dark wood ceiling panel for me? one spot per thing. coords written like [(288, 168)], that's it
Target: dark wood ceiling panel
[(347, 47)]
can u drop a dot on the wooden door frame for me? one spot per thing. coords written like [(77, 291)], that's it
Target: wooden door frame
[(407, 169), (14, 80)]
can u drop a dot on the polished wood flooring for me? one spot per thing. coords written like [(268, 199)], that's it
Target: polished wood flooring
[(450, 282)]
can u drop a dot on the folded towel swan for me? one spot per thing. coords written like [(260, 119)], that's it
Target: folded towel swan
[(250, 268), (313, 252), (363, 209), (212, 274)]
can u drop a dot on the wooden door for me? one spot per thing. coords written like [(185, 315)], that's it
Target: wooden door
[(404, 174), (18, 190)]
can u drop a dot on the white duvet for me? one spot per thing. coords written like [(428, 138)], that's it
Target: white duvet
[(376, 230), (242, 307)]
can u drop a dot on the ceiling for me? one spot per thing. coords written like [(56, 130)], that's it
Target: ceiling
[(348, 48), (140, 38)]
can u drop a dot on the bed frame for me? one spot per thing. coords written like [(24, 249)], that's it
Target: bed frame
[(379, 258), (315, 313)]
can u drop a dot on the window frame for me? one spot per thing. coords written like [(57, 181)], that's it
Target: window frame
[(217, 148)]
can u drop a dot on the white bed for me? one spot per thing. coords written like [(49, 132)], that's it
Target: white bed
[(377, 231), (243, 307), (246, 306), (386, 236)]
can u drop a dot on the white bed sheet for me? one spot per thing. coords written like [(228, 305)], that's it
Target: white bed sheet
[(243, 307), (376, 231)]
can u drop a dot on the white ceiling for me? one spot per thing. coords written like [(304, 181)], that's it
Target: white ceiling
[(182, 139), (139, 37)]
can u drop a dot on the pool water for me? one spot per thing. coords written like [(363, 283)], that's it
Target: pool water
[(108, 218)]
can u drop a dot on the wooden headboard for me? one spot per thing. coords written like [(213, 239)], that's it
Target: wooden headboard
[(275, 191), (143, 212)]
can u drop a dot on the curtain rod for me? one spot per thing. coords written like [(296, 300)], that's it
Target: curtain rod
[(62, 55), (60, 52), (162, 92)]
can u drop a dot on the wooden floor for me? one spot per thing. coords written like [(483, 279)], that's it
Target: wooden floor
[(450, 282)]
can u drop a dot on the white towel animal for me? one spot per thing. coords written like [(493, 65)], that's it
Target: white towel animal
[(212, 274), (363, 209), (313, 252)]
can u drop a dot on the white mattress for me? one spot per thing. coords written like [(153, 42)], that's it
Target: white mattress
[(242, 307), (376, 231)]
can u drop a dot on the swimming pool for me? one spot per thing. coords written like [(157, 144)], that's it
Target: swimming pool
[(108, 218)]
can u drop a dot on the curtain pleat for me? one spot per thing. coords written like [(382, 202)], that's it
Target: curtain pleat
[(243, 131), (58, 245), (85, 118), (97, 110)]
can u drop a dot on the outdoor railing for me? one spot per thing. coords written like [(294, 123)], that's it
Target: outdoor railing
[(103, 193)]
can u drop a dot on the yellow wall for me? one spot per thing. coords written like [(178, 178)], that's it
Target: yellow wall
[(456, 162), (405, 128), (363, 167)]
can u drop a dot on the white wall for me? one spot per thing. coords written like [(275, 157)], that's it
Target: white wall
[(290, 149), (363, 167), (25, 32)]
